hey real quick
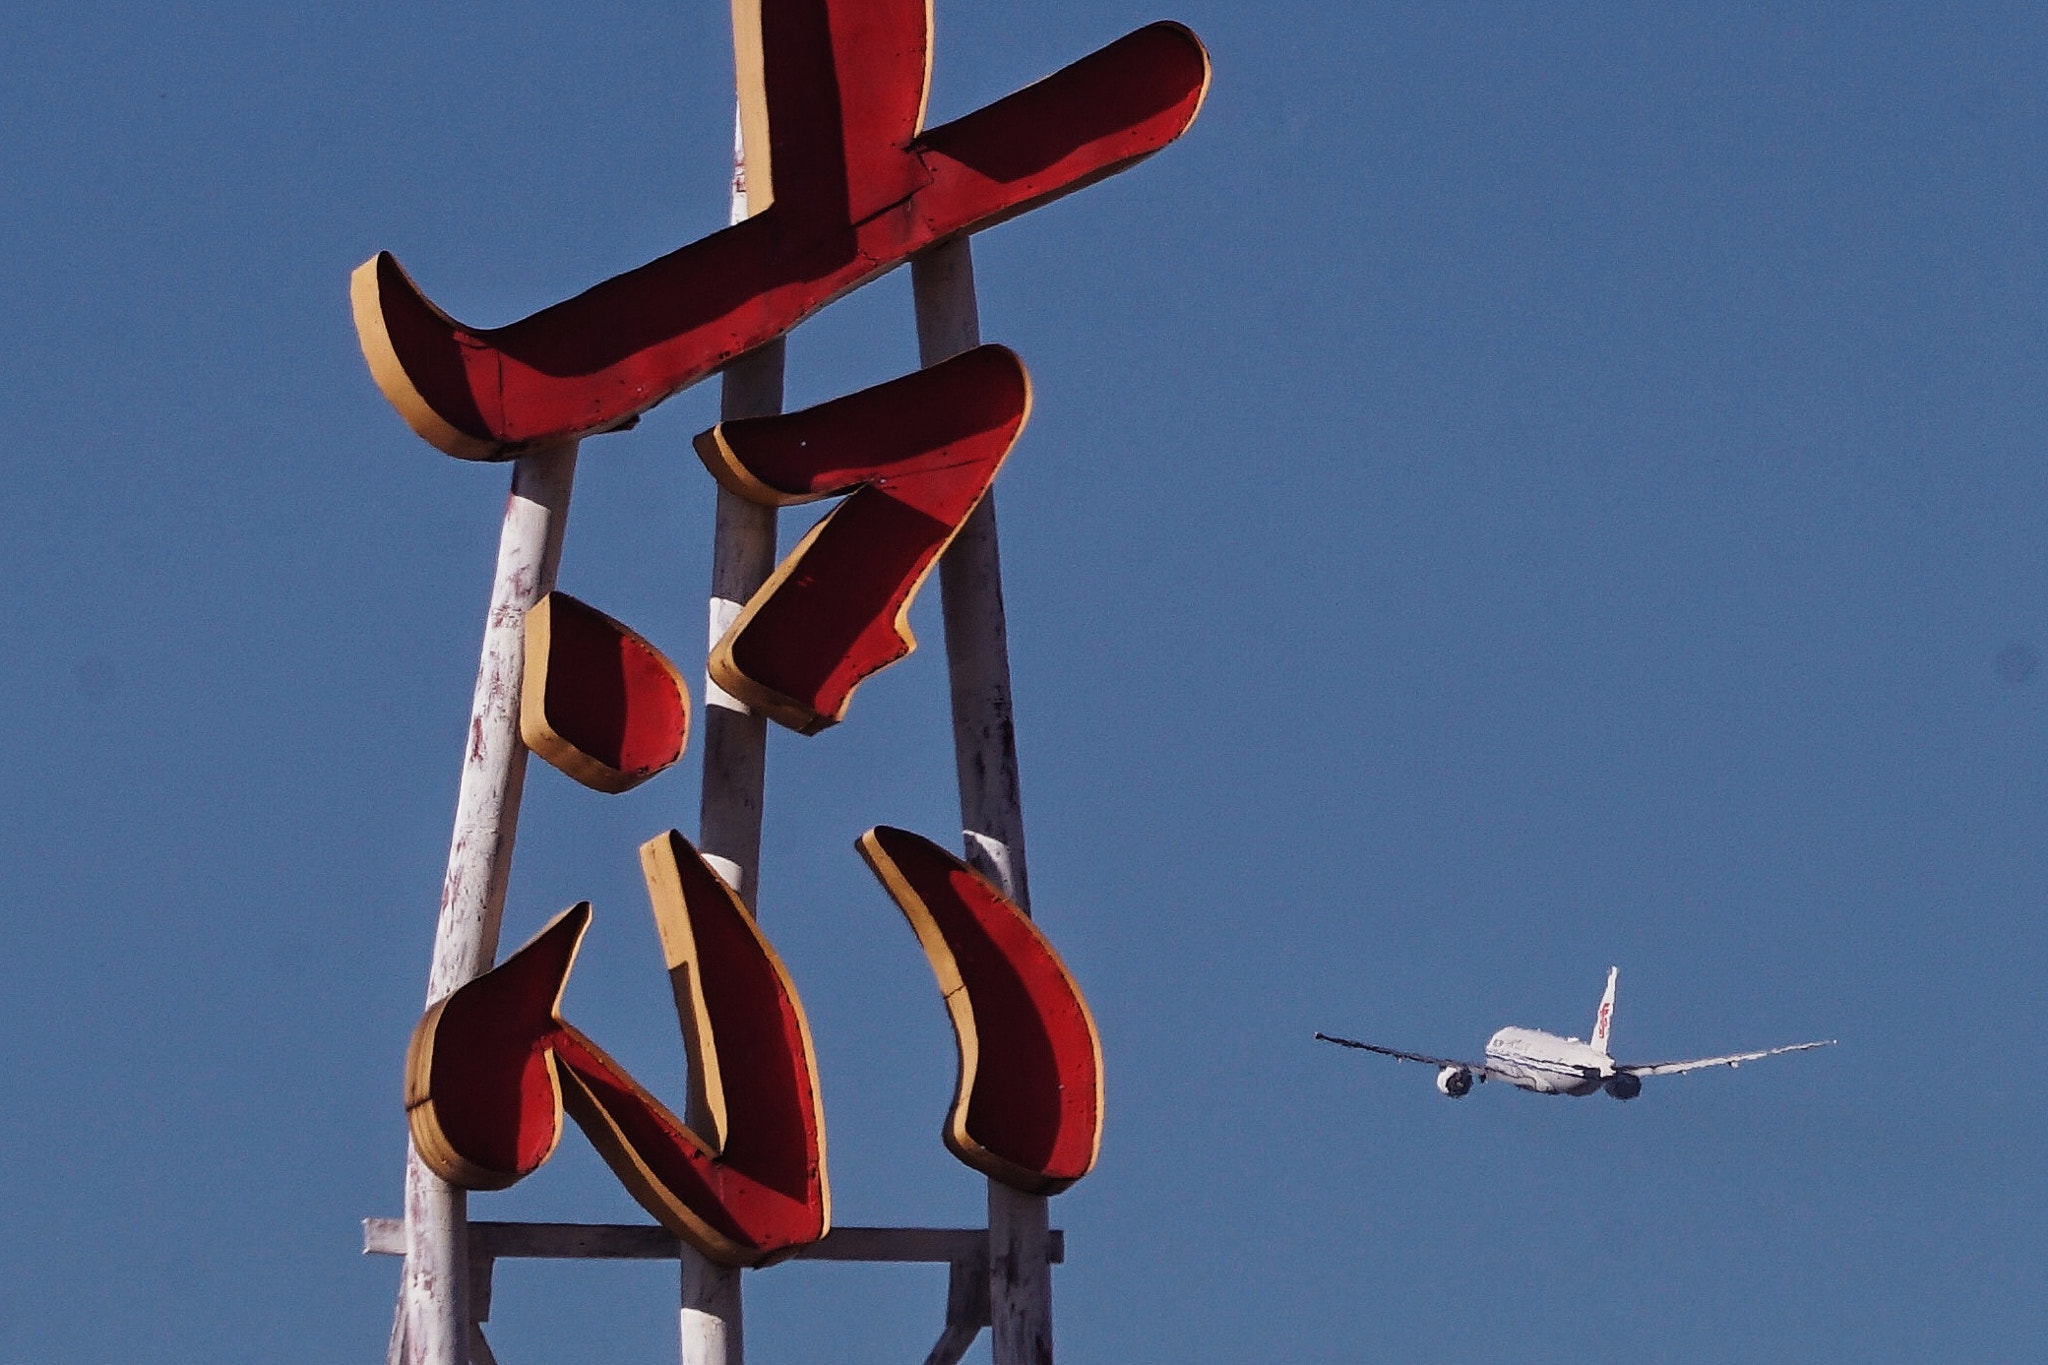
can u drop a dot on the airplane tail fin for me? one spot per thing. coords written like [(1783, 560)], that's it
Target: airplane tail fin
[(1603, 1022)]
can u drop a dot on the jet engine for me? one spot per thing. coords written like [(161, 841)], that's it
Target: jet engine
[(1624, 1086), (1456, 1081)]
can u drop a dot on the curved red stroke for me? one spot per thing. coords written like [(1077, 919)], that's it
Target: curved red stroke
[(1028, 1109), (917, 454), (836, 89), (493, 1067)]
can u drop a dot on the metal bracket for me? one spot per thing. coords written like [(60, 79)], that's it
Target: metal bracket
[(963, 1250)]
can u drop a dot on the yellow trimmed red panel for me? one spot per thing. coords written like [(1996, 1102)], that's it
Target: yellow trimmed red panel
[(598, 701), (834, 90), (917, 455), (493, 1067), (1028, 1109)]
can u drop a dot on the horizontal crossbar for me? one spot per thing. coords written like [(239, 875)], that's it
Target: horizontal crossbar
[(651, 1242)]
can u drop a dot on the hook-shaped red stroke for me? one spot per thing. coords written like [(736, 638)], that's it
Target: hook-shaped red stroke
[(493, 1066), (832, 96), (1028, 1107)]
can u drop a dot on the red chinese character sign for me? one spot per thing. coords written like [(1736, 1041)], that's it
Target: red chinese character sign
[(916, 455), (835, 90), (493, 1067), (843, 183)]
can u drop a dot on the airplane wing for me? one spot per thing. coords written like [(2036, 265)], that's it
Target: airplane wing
[(1701, 1063), (1478, 1069)]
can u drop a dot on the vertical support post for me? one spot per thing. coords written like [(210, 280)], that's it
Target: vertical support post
[(712, 1324), (434, 1290), (991, 804), (736, 736), (735, 770)]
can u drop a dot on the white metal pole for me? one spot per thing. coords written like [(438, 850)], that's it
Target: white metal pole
[(434, 1292), (735, 771), (991, 806), (735, 736)]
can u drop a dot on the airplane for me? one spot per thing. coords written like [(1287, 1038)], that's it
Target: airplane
[(1531, 1059)]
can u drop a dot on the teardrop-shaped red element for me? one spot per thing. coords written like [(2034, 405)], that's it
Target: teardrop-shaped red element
[(844, 186), (598, 701)]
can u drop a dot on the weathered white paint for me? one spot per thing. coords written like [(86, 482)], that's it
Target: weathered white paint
[(724, 611), (735, 770), (991, 804), (494, 761), (434, 1290), (729, 872), (735, 738), (994, 858), (394, 1349), (1020, 1277), (712, 1325)]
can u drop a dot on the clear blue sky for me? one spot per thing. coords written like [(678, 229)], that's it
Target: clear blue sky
[(1517, 489)]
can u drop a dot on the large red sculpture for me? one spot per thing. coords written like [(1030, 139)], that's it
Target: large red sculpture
[(842, 183), (493, 1067), (832, 101), (916, 454), (1028, 1107)]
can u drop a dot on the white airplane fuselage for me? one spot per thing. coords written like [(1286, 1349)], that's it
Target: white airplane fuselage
[(1530, 1059), (1543, 1062)]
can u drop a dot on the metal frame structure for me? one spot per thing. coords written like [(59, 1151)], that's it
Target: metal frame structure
[(1001, 1276), (965, 1251), (909, 193)]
